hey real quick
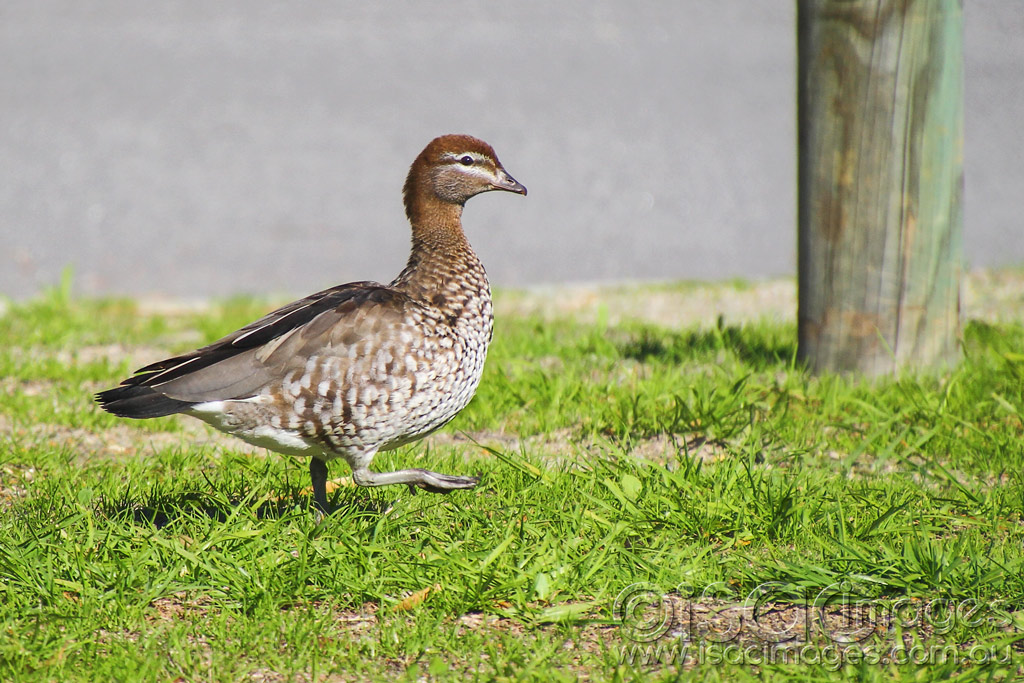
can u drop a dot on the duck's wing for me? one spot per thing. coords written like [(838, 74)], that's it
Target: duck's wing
[(242, 363)]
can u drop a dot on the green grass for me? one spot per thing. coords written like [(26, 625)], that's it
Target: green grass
[(694, 462)]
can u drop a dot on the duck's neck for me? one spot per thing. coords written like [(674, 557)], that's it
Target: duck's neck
[(441, 256), (436, 225)]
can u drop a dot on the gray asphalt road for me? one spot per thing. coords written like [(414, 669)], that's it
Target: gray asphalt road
[(205, 149)]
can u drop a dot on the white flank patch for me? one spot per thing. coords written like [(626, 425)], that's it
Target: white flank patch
[(280, 440), (209, 408), (272, 438)]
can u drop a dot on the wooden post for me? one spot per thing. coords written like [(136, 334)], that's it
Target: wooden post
[(880, 117)]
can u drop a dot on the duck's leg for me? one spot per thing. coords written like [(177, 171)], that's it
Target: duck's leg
[(318, 473), (434, 482)]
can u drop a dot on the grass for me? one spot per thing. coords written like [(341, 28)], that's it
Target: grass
[(638, 482)]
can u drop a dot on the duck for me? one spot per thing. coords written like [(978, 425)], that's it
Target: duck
[(362, 367)]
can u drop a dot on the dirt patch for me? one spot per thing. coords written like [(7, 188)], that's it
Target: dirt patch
[(665, 448), (993, 295), (651, 630), (669, 305), (177, 607), (672, 631), (26, 387), (830, 628), (114, 354), (989, 295), (559, 442), (562, 445), (123, 441), (14, 482)]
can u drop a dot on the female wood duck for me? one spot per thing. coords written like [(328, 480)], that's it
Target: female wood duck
[(361, 367)]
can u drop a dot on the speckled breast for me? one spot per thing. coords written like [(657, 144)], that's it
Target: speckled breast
[(408, 379)]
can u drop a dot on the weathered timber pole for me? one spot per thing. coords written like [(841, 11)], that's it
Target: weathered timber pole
[(880, 119)]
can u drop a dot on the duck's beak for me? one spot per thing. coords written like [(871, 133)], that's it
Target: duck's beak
[(508, 183)]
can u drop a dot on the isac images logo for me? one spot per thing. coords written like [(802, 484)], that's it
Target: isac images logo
[(833, 626)]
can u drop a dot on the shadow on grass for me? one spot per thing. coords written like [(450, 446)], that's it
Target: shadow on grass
[(749, 344), (161, 510)]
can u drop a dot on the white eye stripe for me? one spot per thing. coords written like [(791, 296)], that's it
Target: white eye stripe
[(478, 171), (477, 158)]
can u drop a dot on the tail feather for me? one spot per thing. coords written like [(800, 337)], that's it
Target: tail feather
[(139, 402)]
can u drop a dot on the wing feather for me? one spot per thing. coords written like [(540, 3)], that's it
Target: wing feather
[(241, 363)]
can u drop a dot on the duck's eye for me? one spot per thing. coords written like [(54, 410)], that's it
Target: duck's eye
[(466, 160)]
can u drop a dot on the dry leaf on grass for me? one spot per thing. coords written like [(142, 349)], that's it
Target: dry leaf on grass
[(416, 598)]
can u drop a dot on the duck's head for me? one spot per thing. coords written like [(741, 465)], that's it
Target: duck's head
[(453, 168)]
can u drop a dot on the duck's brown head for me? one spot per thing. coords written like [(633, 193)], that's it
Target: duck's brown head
[(450, 170)]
